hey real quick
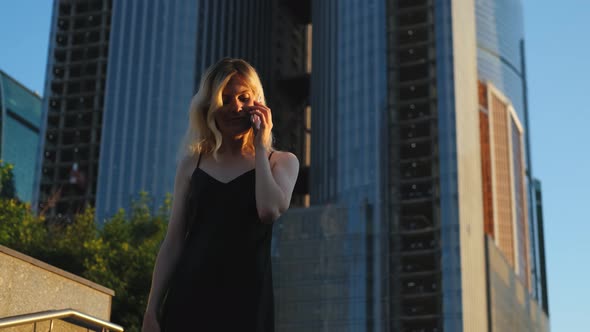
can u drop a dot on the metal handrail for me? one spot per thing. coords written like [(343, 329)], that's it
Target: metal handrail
[(70, 315)]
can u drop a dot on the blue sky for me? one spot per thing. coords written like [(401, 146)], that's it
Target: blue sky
[(558, 57), (558, 54)]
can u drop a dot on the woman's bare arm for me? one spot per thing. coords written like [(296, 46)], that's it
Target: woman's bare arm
[(274, 186), (172, 245)]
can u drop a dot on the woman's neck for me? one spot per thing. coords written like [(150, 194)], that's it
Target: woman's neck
[(232, 146)]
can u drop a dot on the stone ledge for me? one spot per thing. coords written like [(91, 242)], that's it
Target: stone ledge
[(55, 270), (28, 285)]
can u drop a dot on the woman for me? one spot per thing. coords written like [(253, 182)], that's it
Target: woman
[(213, 270)]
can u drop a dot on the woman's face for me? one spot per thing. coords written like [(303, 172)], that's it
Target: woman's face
[(233, 117)]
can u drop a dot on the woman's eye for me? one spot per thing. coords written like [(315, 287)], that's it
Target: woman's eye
[(242, 98)]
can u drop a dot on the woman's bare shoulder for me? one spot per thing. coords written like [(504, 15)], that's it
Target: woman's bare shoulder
[(187, 165), (284, 158)]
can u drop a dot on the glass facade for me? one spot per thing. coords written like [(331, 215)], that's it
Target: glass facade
[(349, 84), (320, 271), (348, 119), (150, 81), (20, 119), (360, 100), (324, 169), (359, 131), (499, 35), (225, 28)]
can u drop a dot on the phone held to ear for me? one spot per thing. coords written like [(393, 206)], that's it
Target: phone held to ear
[(255, 119)]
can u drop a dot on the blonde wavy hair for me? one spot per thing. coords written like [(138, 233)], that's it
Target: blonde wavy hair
[(202, 135)]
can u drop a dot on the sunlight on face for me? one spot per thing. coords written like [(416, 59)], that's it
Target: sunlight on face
[(232, 117)]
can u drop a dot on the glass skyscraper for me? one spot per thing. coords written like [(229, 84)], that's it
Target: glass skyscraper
[(348, 120), (20, 119), (149, 84), (420, 141)]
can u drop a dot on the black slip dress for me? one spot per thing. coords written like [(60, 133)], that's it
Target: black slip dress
[(223, 281)]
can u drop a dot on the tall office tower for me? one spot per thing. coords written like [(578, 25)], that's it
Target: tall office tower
[(511, 218), (329, 261), (437, 250), (73, 105), (120, 78), (149, 85), (20, 118), (433, 199)]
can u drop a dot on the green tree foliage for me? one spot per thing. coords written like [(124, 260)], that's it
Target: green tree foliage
[(119, 254), (7, 187), (124, 256), (20, 229)]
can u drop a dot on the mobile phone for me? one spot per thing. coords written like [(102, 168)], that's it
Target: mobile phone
[(255, 120)]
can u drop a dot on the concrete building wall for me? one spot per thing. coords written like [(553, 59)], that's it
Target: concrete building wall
[(28, 285), (511, 306), (469, 182)]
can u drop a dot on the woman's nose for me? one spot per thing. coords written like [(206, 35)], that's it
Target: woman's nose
[(237, 105)]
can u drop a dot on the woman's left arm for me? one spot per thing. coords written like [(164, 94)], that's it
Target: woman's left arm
[(274, 185)]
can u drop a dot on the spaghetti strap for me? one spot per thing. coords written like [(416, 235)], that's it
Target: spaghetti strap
[(199, 161), (270, 155)]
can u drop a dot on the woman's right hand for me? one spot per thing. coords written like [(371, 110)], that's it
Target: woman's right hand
[(150, 322)]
